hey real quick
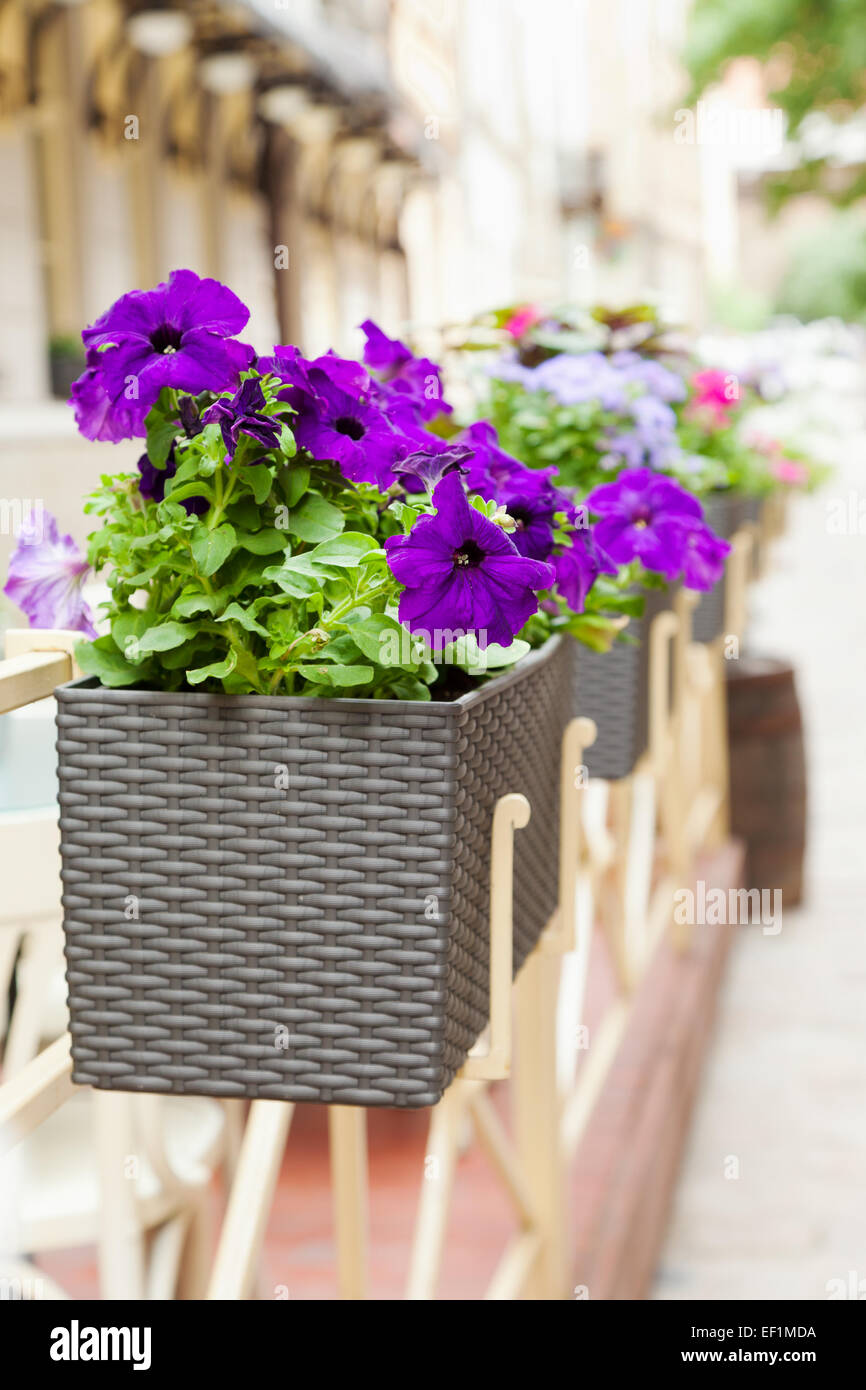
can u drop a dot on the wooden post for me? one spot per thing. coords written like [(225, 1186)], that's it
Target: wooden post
[(250, 1199), (537, 1117), (348, 1130)]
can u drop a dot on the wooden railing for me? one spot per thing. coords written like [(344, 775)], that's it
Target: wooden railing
[(607, 853)]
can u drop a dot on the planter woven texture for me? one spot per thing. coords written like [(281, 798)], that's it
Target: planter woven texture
[(613, 689), (724, 512), (288, 898)]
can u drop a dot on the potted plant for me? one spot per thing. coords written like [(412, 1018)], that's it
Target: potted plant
[(591, 397), (65, 362), (327, 650)]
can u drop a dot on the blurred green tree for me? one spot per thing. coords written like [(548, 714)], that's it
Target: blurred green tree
[(816, 56), (827, 272)]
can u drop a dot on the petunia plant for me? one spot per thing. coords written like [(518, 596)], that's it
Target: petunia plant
[(595, 392), (299, 526), (598, 403)]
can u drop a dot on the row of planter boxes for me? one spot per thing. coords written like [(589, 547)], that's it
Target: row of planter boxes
[(288, 898)]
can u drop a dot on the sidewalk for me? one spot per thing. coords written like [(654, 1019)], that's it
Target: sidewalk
[(785, 1082)]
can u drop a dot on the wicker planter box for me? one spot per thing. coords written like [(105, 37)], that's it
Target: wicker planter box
[(288, 898), (753, 511), (725, 512), (612, 688)]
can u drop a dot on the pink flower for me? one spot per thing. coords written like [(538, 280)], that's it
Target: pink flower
[(789, 471), (523, 318), (715, 393)]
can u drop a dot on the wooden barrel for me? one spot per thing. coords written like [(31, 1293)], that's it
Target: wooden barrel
[(768, 773)]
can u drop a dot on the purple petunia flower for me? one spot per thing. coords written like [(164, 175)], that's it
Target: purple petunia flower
[(340, 415), (416, 379), (243, 415), (427, 467), (46, 575), (461, 573), (490, 468), (644, 516), (97, 415), (179, 334), (704, 555), (526, 493), (577, 567), (534, 513)]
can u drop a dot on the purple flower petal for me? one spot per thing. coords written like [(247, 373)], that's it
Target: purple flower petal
[(461, 572), (46, 574)]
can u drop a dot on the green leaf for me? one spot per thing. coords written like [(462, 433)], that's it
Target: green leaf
[(315, 519), (265, 542), (346, 551), (161, 434), (288, 447), (244, 515), (260, 480), (142, 577), (236, 614), (179, 658), (211, 439), (210, 549), (217, 669), (198, 602), (165, 636), (130, 622), (337, 675), (191, 489), (342, 650), (409, 688), (466, 653), (106, 663), (296, 580), (386, 642), (293, 483), (187, 468)]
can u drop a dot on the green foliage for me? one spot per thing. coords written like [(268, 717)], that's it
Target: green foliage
[(818, 51), (827, 273), (280, 587), (540, 432)]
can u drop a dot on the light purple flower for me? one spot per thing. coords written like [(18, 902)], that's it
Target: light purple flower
[(46, 575), (652, 375), (576, 378), (652, 440)]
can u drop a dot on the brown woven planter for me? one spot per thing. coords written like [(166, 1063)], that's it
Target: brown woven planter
[(612, 688), (725, 513), (288, 898)]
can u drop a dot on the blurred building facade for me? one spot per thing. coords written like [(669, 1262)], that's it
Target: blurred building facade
[(411, 160)]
